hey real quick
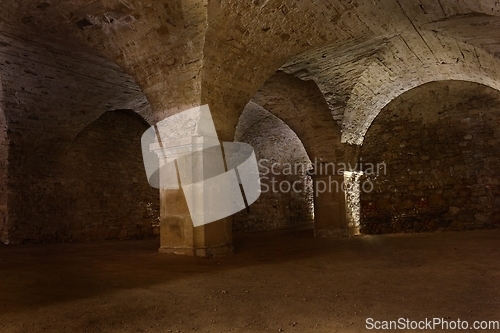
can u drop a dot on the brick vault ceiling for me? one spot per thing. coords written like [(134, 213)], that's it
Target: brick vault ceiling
[(361, 54)]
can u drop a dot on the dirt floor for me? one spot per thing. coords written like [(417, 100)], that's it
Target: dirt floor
[(283, 281)]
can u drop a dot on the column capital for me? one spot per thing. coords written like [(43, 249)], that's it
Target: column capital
[(176, 147)]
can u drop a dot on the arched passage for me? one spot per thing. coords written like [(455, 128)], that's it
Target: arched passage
[(438, 144), (48, 96), (287, 199), (106, 160), (97, 191), (188, 53), (301, 105)]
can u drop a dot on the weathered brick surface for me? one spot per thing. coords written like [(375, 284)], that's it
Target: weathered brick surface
[(274, 143), (96, 188), (302, 107), (408, 61), (4, 163), (439, 142), (361, 55), (51, 94)]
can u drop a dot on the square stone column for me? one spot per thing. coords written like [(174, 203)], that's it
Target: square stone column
[(178, 235), (330, 218), (184, 160), (353, 201)]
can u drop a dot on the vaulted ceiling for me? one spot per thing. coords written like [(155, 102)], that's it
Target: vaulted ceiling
[(180, 53)]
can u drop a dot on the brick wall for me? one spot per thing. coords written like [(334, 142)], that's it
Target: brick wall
[(279, 205), (4, 152), (51, 98), (439, 142), (96, 188), (274, 143)]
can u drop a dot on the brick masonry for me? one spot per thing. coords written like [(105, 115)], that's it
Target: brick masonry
[(439, 142), (274, 143), (96, 188), (66, 173), (360, 55)]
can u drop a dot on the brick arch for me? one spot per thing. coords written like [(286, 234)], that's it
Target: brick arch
[(437, 144), (105, 182), (260, 128), (301, 105), (92, 187), (275, 143), (406, 65), (48, 96), (189, 53)]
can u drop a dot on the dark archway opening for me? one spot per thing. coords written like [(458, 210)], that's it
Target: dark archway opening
[(277, 147), (95, 188)]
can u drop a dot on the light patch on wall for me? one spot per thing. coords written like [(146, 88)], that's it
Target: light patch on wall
[(353, 202)]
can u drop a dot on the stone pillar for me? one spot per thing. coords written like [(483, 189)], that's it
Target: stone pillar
[(179, 236), (353, 201), (329, 206), (178, 233), (183, 158)]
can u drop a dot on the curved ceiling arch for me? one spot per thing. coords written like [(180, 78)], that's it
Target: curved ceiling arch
[(191, 52), (264, 131), (301, 105), (403, 67)]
